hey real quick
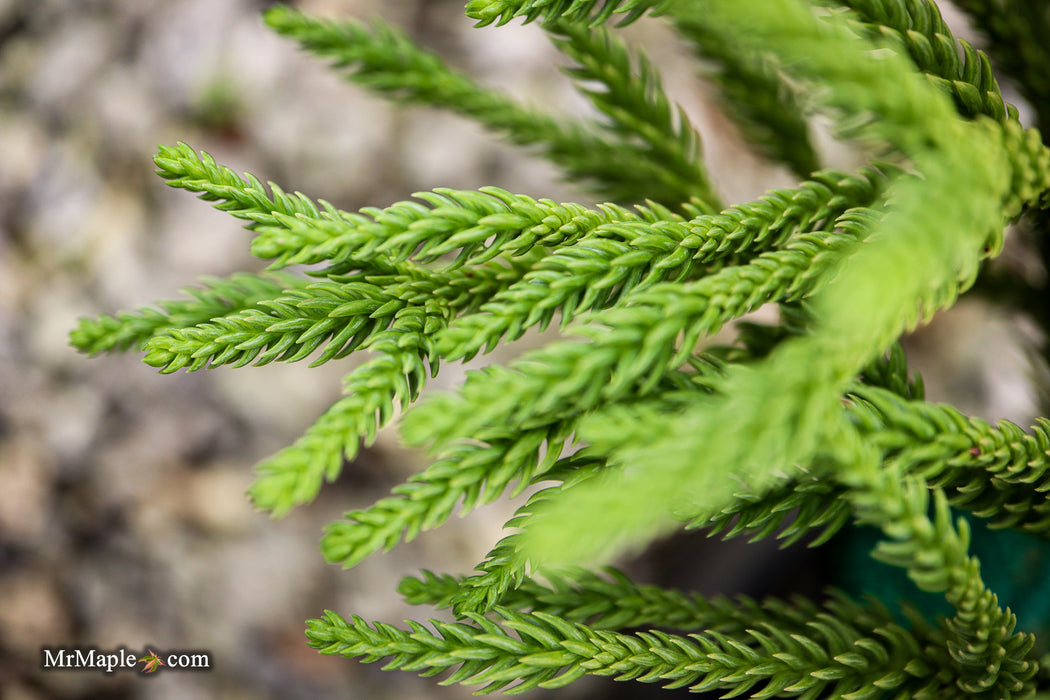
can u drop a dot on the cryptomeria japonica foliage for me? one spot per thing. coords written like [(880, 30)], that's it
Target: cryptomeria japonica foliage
[(795, 430)]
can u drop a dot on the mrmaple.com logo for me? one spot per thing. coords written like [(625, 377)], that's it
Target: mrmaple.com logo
[(90, 659)]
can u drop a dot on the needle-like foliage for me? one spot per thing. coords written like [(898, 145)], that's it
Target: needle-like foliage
[(634, 424)]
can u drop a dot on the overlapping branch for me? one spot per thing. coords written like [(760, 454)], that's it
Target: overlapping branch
[(852, 652), (381, 58)]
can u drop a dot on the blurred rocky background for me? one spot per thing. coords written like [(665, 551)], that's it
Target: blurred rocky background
[(123, 520)]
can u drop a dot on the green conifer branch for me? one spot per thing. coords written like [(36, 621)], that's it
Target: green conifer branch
[(998, 473), (381, 58), (612, 601), (505, 568), (890, 372), (602, 268), (1016, 30), (215, 297), (640, 114), (245, 198), (627, 347), (591, 12), (373, 391), (250, 318), (468, 475), (456, 290), (479, 225), (396, 317), (787, 405), (807, 504), (826, 53), (343, 312), (918, 28), (837, 657), (340, 317), (791, 511), (502, 570), (415, 309), (271, 215), (754, 93), (990, 659), (472, 474), (797, 506), (1029, 161)]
